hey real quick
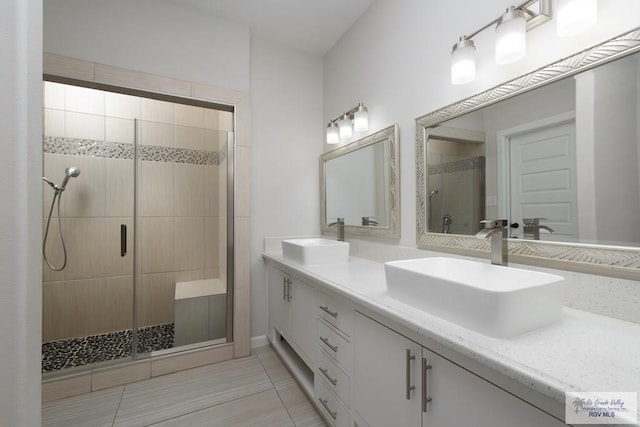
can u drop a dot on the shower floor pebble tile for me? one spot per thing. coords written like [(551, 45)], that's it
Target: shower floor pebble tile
[(235, 393)]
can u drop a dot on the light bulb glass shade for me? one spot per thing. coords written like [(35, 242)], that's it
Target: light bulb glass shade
[(575, 16), (511, 37), (463, 62), (333, 136), (345, 125), (361, 119)]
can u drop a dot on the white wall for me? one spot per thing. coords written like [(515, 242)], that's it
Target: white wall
[(154, 36), (20, 216), (286, 95), (396, 60)]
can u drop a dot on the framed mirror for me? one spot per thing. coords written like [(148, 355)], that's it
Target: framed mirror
[(560, 149), (360, 182)]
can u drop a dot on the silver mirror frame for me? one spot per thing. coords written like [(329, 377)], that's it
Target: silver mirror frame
[(392, 134), (613, 261)]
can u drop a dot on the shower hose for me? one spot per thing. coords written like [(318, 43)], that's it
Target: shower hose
[(57, 195)]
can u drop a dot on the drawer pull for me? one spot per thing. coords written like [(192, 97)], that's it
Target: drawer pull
[(325, 403), (284, 288), (325, 308), (325, 372), (409, 387), (425, 389), (326, 342)]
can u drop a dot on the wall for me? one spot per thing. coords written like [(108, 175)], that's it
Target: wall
[(396, 60), (286, 94), (20, 216), (142, 35), (181, 207)]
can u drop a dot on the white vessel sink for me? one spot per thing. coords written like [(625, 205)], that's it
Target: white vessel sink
[(315, 251), (498, 301)]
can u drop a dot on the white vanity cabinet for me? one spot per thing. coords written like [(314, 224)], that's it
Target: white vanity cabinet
[(394, 378), (292, 308)]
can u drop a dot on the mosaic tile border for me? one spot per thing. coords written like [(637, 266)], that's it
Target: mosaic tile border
[(621, 262), (73, 352), (119, 150), (457, 166)]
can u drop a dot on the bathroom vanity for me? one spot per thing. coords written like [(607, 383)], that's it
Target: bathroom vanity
[(368, 359)]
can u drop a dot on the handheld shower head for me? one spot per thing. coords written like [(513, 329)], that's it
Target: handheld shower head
[(70, 172)]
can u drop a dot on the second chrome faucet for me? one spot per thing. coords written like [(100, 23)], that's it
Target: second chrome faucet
[(496, 231), (339, 223)]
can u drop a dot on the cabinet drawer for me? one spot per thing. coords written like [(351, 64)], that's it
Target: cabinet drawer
[(333, 377), (329, 404), (335, 346), (337, 312)]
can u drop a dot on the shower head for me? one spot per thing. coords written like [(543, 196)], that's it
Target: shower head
[(432, 192), (70, 172)]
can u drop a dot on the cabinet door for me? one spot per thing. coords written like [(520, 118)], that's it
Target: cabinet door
[(302, 318), (278, 305), (460, 398), (381, 380)]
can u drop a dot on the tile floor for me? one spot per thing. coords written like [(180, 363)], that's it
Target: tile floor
[(253, 391)]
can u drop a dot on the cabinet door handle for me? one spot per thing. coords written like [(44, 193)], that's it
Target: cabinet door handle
[(325, 308), (325, 372), (425, 388), (284, 288), (289, 283), (325, 403), (326, 342), (408, 360)]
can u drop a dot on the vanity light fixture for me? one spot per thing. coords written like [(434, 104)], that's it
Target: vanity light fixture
[(356, 119), (575, 16), (510, 45)]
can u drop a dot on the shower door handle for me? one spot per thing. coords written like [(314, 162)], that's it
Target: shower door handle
[(123, 240)]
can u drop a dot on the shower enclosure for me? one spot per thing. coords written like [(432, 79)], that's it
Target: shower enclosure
[(146, 225)]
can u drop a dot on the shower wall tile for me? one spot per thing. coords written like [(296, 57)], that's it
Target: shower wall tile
[(211, 239), (77, 315), (118, 304), (116, 265), (54, 251), (85, 248), (157, 188), (119, 130), (189, 199), (189, 115), (53, 169), (158, 111), (144, 81), (211, 190), (158, 134), (85, 195), (156, 245), (215, 140), (155, 296), (215, 273), (189, 243), (53, 302), (84, 126), (119, 187), (218, 120), (243, 179), (189, 275), (242, 252), (84, 100), (123, 106), (53, 95), (189, 137), (54, 122)]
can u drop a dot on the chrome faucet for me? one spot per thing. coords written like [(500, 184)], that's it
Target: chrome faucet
[(532, 228), (369, 220), (496, 231), (446, 223), (339, 223)]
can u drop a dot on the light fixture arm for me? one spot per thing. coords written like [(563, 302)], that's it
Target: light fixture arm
[(348, 113)]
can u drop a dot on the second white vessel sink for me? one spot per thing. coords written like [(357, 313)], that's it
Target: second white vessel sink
[(494, 300), (315, 251)]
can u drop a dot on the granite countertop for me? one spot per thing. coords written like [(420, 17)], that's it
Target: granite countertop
[(584, 352)]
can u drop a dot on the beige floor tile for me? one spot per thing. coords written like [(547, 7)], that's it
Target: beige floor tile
[(173, 395), (276, 370), (301, 410), (259, 410), (92, 409)]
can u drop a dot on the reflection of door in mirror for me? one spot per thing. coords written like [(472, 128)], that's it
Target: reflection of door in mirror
[(539, 159), (455, 183)]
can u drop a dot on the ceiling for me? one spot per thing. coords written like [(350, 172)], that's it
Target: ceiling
[(312, 26)]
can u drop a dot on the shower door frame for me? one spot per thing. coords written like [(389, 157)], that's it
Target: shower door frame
[(83, 73)]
